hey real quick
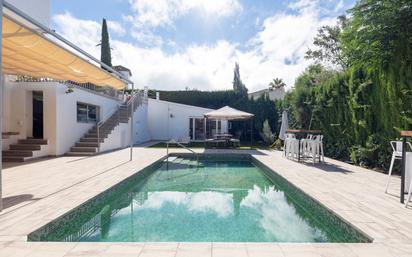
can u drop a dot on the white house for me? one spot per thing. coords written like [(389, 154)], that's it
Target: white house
[(272, 94), (56, 98), (168, 120), (56, 102)]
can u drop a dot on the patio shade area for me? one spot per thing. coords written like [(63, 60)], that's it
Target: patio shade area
[(231, 114), (28, 52), (228, 113)]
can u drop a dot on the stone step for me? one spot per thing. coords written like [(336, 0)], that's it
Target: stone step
[(19, 153), (94, 135), (13, 158), (90, 139), (33, 141), (79, 153), (87, 144), (101, 131), (83, 149), (25, 147)]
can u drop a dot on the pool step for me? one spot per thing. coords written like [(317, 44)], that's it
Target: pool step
[(183, 161)]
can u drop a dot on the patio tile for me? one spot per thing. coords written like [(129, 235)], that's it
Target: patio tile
[(161, 246), (87, 249), (229, 250), (194, 252), (264, 250), (157, 253), (133, 249)]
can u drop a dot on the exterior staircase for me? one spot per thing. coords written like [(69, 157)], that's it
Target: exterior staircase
[(90, 142), (24, 150)]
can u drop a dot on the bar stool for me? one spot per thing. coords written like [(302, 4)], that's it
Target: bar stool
[(314, 148), (286, 143), (304, 145), (396, 154)]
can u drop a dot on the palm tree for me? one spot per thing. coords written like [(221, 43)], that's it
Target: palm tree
[(276, 83)]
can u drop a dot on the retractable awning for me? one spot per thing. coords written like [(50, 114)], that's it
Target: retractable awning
[(28, 52)]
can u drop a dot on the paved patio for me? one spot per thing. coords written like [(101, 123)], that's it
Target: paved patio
[(38, 192)]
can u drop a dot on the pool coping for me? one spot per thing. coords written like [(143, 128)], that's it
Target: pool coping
[(35, 236)]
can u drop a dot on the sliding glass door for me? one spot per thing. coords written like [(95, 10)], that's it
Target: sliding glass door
[(197, 128)]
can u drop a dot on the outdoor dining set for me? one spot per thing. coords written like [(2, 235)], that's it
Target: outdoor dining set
[(224, 139), (304, 144)]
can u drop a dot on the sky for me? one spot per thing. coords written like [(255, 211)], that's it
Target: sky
[(180, 44)]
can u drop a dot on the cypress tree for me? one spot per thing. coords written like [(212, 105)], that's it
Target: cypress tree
[(106, 56), (238, 85)]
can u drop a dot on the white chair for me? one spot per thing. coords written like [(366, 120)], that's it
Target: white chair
[(304, 145), (286, 144), (289, 147), (409, 194), (396, 154), (314, 148), (294, 148)]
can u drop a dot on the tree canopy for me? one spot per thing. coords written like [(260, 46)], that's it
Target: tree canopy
[(238, 85), (363, 103)]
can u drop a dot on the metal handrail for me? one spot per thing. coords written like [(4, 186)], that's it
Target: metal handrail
[(101, 122), (181, 145), (116, 111)]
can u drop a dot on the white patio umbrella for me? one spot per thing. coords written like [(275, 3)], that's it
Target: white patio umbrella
[(284, 126)]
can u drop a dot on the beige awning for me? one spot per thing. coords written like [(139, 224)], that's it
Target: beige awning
[(228, 113), (26, 52)]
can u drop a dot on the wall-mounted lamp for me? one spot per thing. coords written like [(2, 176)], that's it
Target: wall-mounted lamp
[(69, 90)]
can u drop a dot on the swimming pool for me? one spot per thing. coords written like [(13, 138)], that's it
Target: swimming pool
[(214, 199)]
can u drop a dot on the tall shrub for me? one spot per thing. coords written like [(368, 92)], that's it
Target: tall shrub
[(105, 54)]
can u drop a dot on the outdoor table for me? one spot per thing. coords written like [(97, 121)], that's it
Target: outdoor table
[(225, 137), (300, 133), (404, 135)]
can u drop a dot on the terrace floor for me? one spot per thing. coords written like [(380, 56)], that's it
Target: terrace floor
[(40, 191)]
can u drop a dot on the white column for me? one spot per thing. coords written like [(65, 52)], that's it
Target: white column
[(1, 103)]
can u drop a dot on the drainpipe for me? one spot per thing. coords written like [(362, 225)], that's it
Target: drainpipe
[(1, 102)]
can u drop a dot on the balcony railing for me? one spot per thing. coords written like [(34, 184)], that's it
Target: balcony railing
[(100, 90)]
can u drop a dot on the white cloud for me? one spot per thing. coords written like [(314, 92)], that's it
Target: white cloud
[(85, 33), (275, 51), (163, 12), (116, 27), (220, 204)]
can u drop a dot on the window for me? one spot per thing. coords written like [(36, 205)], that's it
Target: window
[(87, 113)]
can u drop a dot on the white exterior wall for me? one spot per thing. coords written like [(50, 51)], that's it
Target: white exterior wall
[(37, 9), (18, 110), (275, 94), (68, 129), (141, 124), (120, 136), (60, 125), (169, 120)]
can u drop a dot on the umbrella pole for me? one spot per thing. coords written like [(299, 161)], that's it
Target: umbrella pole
[(251, 132), (204, 141)]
